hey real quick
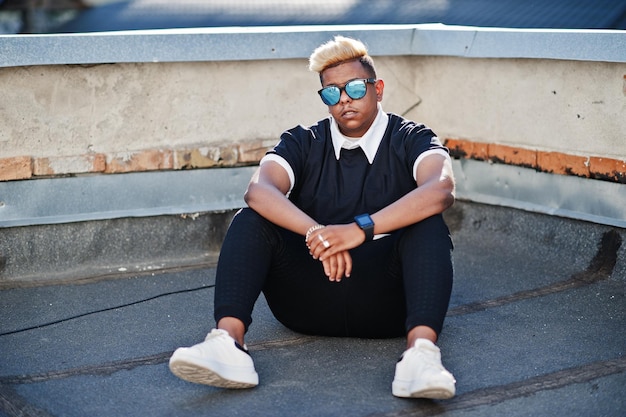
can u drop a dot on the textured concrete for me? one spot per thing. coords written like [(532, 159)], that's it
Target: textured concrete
[(143, 93), (535, 327)]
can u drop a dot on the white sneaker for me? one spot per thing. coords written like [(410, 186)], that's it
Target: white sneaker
[(420, 374), (218, 361)]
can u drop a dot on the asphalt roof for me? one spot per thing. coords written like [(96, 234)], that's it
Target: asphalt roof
[(160, 14), (535, 328)]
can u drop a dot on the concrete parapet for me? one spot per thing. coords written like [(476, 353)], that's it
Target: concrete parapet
[(87, 251), (126, 104), (105, 249)]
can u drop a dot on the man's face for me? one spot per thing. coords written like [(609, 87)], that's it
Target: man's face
[(354, 117)]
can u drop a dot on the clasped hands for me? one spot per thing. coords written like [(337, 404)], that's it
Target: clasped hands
[(330, 245)]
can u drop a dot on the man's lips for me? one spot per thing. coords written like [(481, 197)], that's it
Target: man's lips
[(349, 113)]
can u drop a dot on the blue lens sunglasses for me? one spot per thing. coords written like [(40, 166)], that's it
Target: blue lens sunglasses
[(355, 89)]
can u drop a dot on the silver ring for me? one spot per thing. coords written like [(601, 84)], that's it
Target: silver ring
[(325, 243), (321, 238)]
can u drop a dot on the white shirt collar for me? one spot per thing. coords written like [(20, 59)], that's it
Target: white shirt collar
[(369, 142)]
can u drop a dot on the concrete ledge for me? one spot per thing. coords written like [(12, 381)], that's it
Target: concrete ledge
[(287, 42)]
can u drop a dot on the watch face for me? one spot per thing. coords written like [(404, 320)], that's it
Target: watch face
[(364, 220)]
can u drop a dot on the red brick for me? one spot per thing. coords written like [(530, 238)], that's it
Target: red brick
[(253, 151), (480, 151), (564, 164), (69, 164), (607, 169), (16, 168), (462, 148), (205, 157), (459, 148), (512, 155), (146, 160)]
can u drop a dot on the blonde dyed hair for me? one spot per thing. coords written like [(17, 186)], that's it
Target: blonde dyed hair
[(338, 51)]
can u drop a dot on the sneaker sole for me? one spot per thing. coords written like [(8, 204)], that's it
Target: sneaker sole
[(430, 393), (433, 394), (198, 375)]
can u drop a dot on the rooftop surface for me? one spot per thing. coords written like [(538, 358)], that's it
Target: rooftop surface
[(535, 325), (159, 14), (535, 328)]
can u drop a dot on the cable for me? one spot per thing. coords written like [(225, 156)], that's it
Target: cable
[(39, 326)]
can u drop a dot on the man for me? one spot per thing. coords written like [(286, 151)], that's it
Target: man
[(366, 189)]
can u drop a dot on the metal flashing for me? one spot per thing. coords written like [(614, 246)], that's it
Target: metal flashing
[(292, 42), (99, 197), (142, 194), (596, 201)]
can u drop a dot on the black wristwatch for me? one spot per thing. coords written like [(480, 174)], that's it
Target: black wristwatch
[(366, 223)]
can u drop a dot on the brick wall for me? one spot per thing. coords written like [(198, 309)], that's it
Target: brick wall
[(249, 153), (227, 155), (594, 167)]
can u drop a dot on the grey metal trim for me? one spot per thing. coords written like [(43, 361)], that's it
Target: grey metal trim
[(259, 43), (595, 201), (99, 197)]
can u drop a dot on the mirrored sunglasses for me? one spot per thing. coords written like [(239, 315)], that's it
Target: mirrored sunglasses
[(355, 89)]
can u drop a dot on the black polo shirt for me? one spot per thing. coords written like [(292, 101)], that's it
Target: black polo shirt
[(333, 191)]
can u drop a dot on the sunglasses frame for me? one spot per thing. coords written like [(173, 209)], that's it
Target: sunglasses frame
[(364, 80)]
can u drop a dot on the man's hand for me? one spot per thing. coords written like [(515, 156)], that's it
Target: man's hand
[(331, 244), (338, 265)]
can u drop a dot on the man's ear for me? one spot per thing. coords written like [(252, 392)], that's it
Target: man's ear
[(380, 86)]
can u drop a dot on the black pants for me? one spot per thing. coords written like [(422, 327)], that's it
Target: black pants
[(397, 282)]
